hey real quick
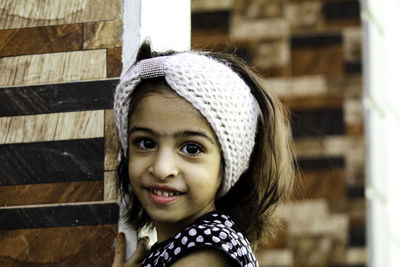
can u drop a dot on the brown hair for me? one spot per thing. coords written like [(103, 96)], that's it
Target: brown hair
[(251, 202)]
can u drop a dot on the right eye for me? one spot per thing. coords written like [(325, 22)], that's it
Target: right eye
[(145, 143)]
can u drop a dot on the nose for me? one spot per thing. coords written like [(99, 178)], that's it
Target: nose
[(164, 165)]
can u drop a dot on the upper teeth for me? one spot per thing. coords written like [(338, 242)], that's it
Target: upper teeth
[(163, 193)]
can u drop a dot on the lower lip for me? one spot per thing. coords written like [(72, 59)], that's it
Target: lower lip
[(161, 199)]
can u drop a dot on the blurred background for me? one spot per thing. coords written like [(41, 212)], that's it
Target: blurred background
[(59, 64)]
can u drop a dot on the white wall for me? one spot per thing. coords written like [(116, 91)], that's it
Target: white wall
[(382, 110)]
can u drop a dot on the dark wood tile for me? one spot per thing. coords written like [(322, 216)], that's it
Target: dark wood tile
[(353, 67), (48, 162), (62, 246), (316, 40), (210, 20), (52, 98), (325, 163), (327, 60), (317, 122), (345, 9), (322, 184), (39, 40), (357, 237), (58, 216), (114, 62), (356, 191), (314, 102), (12, 195)]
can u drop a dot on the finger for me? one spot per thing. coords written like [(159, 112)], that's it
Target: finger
[(141, 252), (119, 256)]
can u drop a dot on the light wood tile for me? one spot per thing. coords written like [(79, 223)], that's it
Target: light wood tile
[(110, 186), (52, 127), (255, 30), (22, 13), (53, 68), (103, 34)]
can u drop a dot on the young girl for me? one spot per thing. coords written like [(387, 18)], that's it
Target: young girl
[(206, 155)]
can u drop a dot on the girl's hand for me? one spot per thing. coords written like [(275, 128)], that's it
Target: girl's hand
[(138, 256)]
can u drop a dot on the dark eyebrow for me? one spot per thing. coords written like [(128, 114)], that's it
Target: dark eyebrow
[(142, 129), (180, 133)]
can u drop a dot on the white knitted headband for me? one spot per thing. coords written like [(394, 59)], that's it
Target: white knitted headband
[(216, 91)]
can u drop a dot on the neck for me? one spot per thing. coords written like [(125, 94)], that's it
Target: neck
[(168, 230)]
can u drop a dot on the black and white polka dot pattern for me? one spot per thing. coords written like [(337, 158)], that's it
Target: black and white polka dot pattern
[(213, 230)]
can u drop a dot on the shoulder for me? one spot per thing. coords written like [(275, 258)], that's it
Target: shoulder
[(204, 258)]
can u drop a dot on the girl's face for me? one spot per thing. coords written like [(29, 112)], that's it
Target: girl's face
[(174, 159)]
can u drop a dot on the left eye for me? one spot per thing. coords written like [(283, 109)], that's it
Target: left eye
[(191, 149)]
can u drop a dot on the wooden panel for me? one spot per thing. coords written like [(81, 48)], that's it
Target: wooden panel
[(111, 145), (53, 68), (47, 216), (50, 162), (265, 29), (328, 184), (319, 54), (341, 13), (64, 246), (12, 195), (110, 186), (23, 14), (114, 62), (41, 40), (52, 98), (210, 19), (317, 122), (52, 127), (103, 34)]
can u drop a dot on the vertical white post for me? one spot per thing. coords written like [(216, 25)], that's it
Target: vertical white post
[(382, 109), (167, 24)]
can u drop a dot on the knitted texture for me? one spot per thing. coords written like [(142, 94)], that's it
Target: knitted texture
[(217, 92)]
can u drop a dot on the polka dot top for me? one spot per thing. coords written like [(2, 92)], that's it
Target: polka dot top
[(212, 230)]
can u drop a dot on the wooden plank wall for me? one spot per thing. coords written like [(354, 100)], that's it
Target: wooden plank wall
[(58, 62), (309, 52)]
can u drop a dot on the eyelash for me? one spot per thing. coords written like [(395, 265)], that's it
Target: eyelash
[(139, 143)]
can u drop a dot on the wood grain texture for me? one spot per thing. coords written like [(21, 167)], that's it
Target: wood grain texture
[(114, 62), (52, 127), (54, 98), (327, 60), (111, 145), (265, 29), (63, 246), (13, 195), (103, 34), (110, 186), (51, 162), (53, 68), (329, 183), (24, 14), (66, 215), (40, 40)]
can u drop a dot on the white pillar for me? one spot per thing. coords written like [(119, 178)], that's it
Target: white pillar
[(167, 24), (382, 110)]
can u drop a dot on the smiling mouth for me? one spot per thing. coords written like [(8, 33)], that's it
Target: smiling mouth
[(164, 193), (163, 196)]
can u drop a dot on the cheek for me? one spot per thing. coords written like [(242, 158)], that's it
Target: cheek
[(135, 169)]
